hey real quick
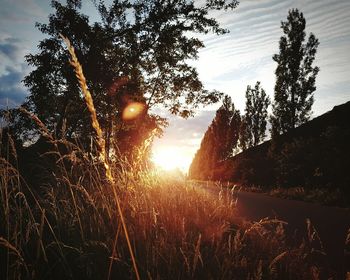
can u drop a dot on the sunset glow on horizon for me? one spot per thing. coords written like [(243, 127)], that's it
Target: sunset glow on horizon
[(171, 158)]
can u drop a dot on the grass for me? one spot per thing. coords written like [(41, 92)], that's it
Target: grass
[(329, 197), (90, 219), (73, 230)]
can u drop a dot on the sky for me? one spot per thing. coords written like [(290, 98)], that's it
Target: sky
[(228, 63)]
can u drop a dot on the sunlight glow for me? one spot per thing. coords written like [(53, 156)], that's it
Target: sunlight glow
[(171, 158)]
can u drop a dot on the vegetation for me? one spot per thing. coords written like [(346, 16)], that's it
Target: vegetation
[(295, 75), (219, 141), (230, 133), (289, 161), (139, 51), (255, 118), (71, 229), (313, 156), (74, 205), (94, 220)]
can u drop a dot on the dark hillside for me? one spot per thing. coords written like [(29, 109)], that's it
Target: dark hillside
[(316, 154)]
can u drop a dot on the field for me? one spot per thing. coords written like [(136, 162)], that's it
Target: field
[(89, 218), (72, 229)]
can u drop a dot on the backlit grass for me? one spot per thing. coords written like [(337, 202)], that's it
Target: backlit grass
[(90, 219)]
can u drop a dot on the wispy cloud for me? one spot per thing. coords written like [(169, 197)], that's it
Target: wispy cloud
[(237, 59), (12, 93), (22, 11), (229, 63), (10, 48), (12, 71)]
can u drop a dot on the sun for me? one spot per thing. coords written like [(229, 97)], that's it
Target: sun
[(170, 158)]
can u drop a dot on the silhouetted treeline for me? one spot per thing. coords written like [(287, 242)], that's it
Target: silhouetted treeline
[(219, 141), (230, 132), (293, 157), (316, 154)]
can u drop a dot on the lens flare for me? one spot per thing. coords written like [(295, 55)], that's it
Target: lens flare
[(133, 110)]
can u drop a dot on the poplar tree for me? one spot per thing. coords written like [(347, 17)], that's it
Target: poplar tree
[(295, 75), (218, 142), (257, 102)]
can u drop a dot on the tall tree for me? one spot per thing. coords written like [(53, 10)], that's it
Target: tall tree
[(295, 75), (233, 132), (138, 52), (257, 102), (218, 142), (203, 162), (245, 137), (225, 128)]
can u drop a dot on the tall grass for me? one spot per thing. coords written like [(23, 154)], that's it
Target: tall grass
[(101, 146), (90, 219)]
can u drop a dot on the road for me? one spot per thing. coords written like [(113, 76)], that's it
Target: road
[(331, 223)]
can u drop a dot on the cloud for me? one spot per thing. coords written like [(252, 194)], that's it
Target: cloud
[(191, 130), (12, 71), (184, 136), (21, 11), (10, 48), (12, 93), (230, 62)]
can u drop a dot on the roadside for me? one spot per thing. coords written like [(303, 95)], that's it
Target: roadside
[(331, 225), (321, 196)]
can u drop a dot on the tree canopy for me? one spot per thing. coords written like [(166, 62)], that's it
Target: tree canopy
[(254, 122), (295, 75), (139, 51), (218, 142)]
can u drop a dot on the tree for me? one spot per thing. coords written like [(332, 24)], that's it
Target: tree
[(138, 52), (244, 135), (233, 132), (202, 164), (226, 128), (255, 119), (295, 75), (218, 142)]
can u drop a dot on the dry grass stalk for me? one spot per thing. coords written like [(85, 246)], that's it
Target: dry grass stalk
[(101, 141), (43, 129), (90, 105)]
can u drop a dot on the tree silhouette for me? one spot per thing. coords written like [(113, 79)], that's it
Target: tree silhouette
[(295, 75), (255, 118), (245, 137), (226, 128), (218, 142), (138, 52)]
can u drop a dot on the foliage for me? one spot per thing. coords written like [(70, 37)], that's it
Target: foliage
[(295, 75), (255, 119), (219, 141), (71, 228), (244, 134), (139, 51), (226, 128), (69, 223), (233, 132), (300, 163)]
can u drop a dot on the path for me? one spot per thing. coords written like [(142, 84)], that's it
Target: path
[(331, 223)]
